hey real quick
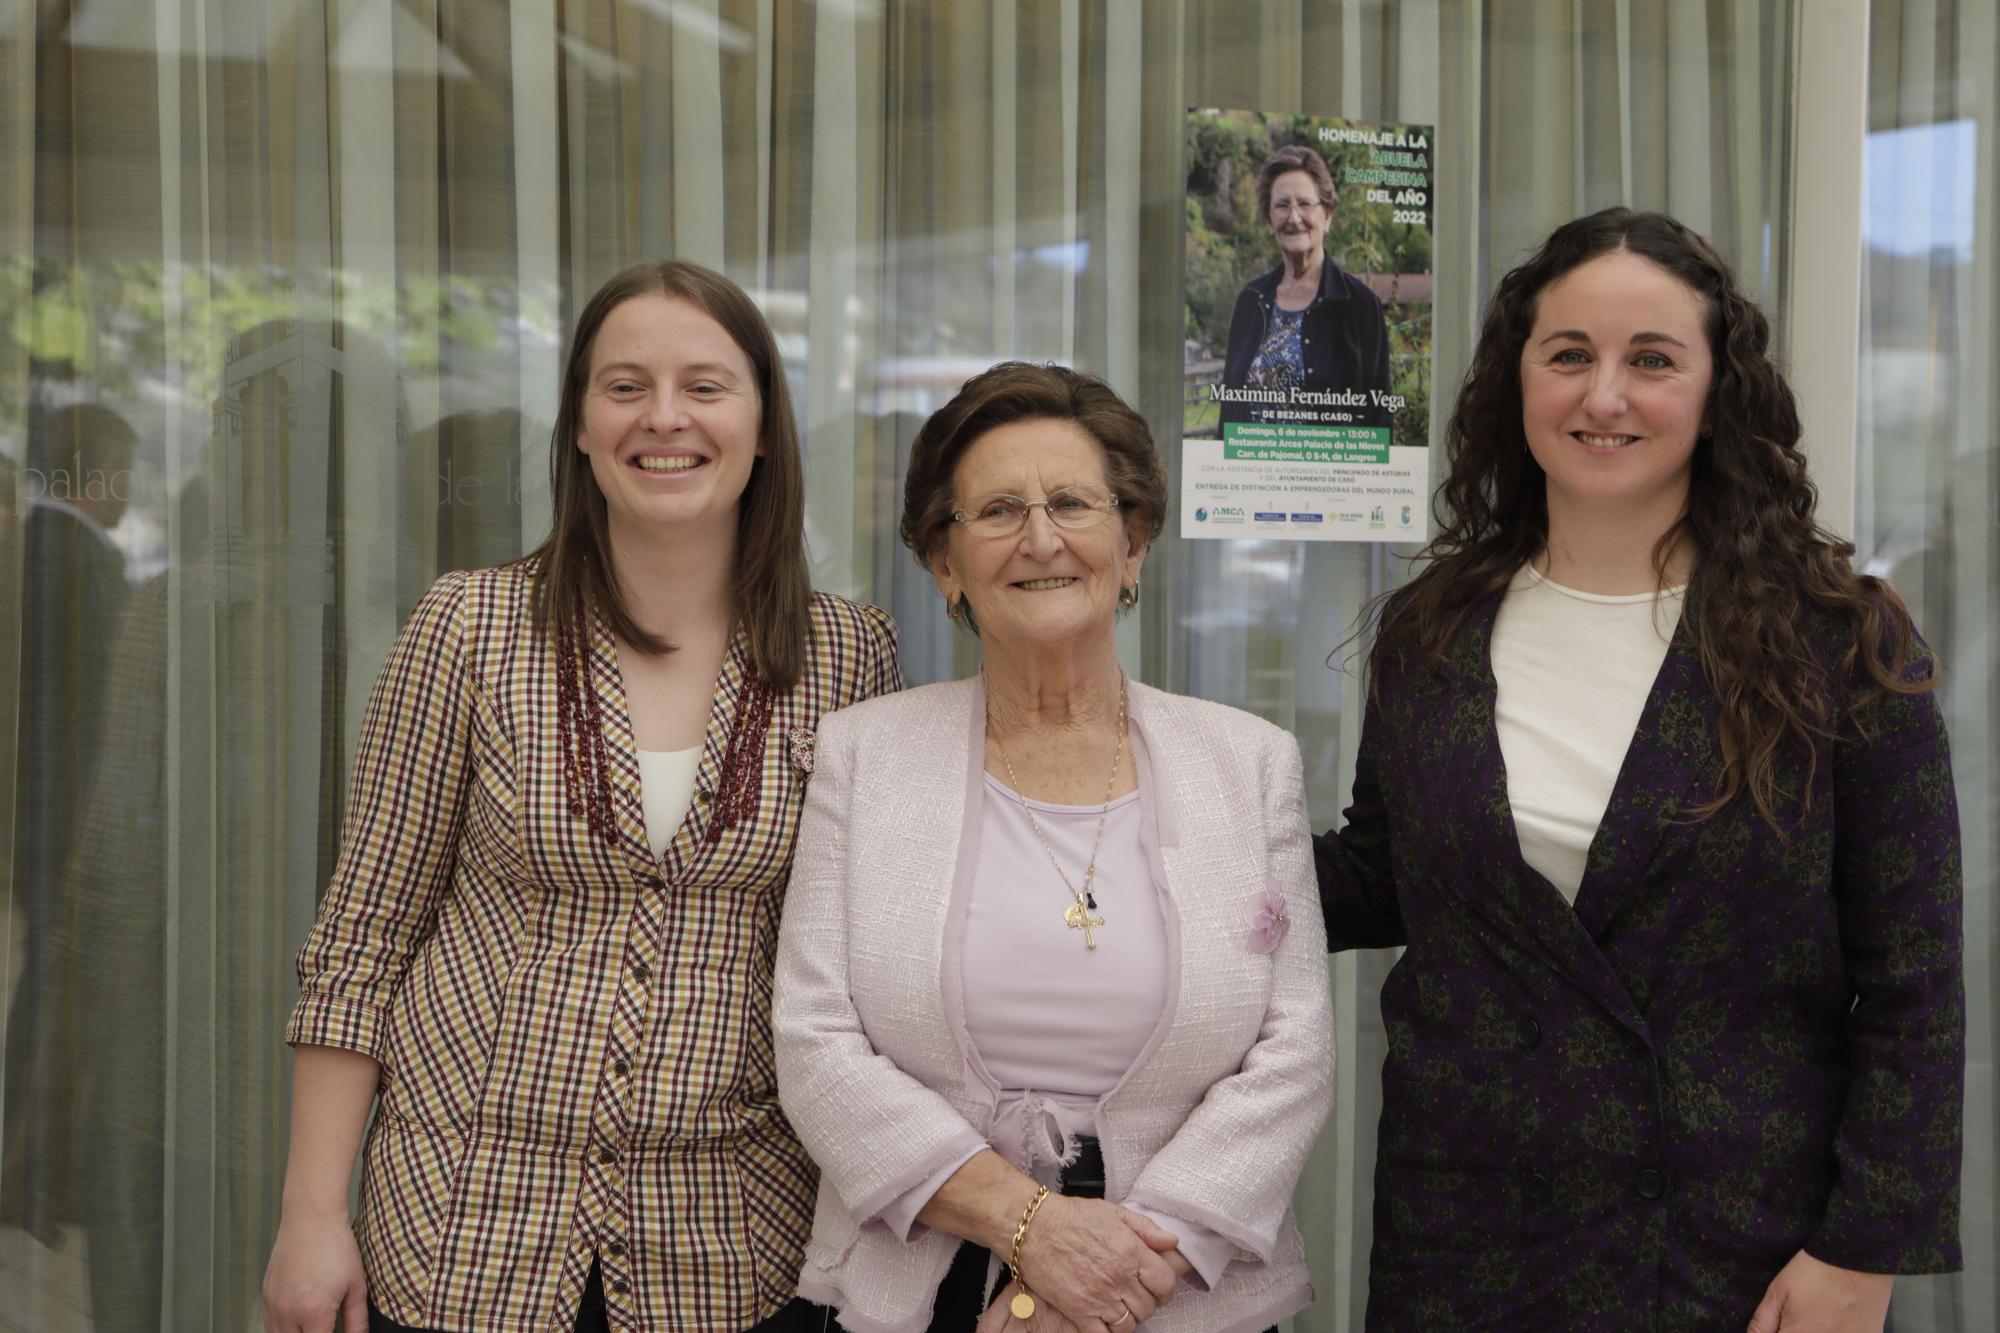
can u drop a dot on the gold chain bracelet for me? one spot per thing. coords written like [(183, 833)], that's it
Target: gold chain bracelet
[(1023, 1304)]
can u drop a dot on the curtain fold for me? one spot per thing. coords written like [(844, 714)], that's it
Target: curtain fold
[(1928, 490), (320, 257)]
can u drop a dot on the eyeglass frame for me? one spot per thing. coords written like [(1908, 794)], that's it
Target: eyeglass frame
[(1298, 207), (1047, 505)]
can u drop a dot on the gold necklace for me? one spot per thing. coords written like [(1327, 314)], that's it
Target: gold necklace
[(1083, 902)]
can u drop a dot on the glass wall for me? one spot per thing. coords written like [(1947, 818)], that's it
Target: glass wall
[(1927, 486), (283, 288)]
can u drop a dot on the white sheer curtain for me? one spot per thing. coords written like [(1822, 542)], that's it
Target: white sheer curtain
[(1928, 489), (321, 254)]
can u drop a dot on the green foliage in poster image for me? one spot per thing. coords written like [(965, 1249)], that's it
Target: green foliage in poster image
[(1380, 228)]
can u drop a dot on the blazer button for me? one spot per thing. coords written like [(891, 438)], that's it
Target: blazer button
[(1651, 1184), (653, 882), (1537, 1188), (1528, 1032), (607, 1155), (642, 973)]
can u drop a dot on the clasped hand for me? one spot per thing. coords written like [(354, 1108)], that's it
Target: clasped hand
[(1810, 1296), (1093, 1268)]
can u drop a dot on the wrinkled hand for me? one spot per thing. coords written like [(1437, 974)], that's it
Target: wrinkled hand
[(1808, 1296), (1046, 1318), (1099, 1265), (314, 1283)]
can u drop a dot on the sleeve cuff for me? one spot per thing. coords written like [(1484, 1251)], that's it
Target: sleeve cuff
[(1880, 1258), (321, 1020), (1207, 1252), (899, 1215)]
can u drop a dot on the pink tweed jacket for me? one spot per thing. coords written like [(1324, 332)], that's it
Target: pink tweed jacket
[(1212, 1123)]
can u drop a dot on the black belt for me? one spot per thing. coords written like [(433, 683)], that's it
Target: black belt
[(1084, 1176)]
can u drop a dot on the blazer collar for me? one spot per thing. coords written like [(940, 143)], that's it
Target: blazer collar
[(1671, 765), (1151, 745), (687, 846), (1332, 282), (1151, 740), (1662, 766)]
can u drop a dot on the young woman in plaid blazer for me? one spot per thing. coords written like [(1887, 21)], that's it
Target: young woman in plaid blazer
[(546, 954)]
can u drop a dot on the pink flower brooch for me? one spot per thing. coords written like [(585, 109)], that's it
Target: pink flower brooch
[(799, 744), (1270, 922)]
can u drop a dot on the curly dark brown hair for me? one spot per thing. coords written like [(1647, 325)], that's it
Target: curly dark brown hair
[(1764, 567)]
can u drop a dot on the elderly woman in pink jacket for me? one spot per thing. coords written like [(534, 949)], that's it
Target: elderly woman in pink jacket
[(1052, 1010)]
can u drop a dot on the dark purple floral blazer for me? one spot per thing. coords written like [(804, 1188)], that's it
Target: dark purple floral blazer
[(1632, 1113)]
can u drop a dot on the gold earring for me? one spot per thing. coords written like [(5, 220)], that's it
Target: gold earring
[(1129, 597), (951, 609)]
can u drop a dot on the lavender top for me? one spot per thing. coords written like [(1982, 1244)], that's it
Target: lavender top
[(1046, 1013), (1057, 1023)]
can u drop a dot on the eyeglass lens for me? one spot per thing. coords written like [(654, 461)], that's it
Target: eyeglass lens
[(1073, 508)]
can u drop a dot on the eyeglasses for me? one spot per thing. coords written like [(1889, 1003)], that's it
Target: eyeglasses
[(1072, 508)]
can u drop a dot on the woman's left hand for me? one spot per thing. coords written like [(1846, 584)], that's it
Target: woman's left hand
[(1808, 1296), (1046, 1318)]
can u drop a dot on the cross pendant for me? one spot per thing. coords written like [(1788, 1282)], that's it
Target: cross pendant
[(1079, 919)]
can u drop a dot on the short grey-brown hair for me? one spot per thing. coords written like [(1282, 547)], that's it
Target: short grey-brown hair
[(1028, 391), (1294, 157)]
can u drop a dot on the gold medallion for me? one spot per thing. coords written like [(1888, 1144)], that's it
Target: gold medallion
[(1022, 1306)]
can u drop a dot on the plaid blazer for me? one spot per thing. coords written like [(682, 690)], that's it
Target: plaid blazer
[(574, 1037)]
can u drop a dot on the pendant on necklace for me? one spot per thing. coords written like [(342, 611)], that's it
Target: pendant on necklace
[(1079, 918)]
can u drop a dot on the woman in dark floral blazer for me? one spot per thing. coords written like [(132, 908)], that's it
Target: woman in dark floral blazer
[(1654, 791)]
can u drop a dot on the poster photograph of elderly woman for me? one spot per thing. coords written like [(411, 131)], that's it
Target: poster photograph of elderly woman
[(1308, 328)]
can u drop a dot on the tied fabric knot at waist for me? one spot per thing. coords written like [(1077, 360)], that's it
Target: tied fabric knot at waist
[(1038, 1132)]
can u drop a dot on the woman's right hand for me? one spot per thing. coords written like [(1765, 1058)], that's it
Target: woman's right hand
[(314, 1283), (1101, 1265), (999, 1317)]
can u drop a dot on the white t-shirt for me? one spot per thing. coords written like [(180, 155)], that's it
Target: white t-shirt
[(666, 785), (1573, 669)]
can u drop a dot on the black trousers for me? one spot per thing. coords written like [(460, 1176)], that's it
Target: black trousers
[(591, 1316)]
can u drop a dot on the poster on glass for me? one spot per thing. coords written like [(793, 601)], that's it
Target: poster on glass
[(1307, 355)]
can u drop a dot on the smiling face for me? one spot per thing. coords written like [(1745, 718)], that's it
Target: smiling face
[(670, 419), (1043, 587), (1299, 217), (1614, 385)]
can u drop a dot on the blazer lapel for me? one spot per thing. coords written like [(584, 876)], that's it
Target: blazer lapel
[(1672, 763), (686, 848), (620, 751), (1480, 855), (1155, 762), (953, 850)]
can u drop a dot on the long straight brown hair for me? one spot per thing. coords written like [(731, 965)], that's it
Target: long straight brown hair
[(772, 587)]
